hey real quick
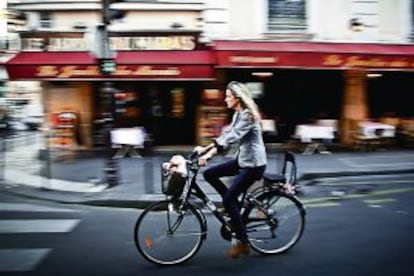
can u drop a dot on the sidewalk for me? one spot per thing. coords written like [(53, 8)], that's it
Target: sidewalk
[(80, 182)]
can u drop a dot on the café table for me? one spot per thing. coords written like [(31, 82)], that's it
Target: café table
[(127, 139), (376, 130), (315, 136), (374, 134)]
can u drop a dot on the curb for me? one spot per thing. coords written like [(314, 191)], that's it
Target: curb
[(105, 199)]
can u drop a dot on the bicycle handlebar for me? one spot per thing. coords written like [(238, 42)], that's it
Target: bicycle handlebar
[(191, 156)]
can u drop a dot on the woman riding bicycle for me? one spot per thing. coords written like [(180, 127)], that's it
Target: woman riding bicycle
[(247, 166)]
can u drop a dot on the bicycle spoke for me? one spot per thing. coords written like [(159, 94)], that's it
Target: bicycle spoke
[(274, 222), (167, 237)]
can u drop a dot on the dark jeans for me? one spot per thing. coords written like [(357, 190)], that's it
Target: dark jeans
[(243, 179)]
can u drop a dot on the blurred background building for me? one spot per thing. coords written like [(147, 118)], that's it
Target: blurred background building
[(344, 61)]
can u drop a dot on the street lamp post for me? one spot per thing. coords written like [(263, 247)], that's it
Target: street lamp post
[(107, 66), (111, 166)]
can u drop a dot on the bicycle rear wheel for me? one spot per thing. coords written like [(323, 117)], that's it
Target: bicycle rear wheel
[(278, 226), (165, 236)]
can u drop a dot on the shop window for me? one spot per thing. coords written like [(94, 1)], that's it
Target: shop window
[(412, 21), (286, 15), (177, 103), (126, 104), (211, 115)]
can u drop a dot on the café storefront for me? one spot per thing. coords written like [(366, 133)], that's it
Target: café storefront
[(169, 81), (300, 81), (160, 82)]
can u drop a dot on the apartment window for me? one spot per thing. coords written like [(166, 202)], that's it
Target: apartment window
[(412, 21), (45, 20), (287, 15)]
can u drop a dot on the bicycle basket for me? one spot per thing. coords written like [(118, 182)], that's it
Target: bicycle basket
[(172, 182)]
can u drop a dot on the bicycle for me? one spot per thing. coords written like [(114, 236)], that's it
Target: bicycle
[(275, 220)]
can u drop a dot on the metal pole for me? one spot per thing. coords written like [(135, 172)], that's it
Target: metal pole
[(105, 52), (111, 166), (46, 137), (3, 157)]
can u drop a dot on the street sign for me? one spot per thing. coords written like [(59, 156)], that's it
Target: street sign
[(107, 66)]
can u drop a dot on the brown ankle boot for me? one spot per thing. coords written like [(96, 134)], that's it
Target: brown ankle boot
[(241, 248)]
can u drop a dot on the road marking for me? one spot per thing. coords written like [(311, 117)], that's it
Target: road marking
[(320, 200), (375, 182), (19, 260), (392, 191), (322, 204), (16, 226), (379, 201), (402, 212), (353, 161), (28, 259), (15, 207)]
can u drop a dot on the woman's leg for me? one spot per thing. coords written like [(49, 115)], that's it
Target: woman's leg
[(241, 182), (212, 175)]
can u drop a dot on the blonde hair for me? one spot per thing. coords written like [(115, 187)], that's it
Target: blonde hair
[(241, 92)]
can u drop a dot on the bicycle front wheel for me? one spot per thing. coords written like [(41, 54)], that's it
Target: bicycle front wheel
[(167, 236), (277, 225)]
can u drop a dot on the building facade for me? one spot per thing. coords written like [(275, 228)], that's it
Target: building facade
[(346, 60)]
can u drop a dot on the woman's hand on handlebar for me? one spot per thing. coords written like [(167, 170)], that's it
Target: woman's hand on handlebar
[(202, 160), (199, 150), (205, 153)]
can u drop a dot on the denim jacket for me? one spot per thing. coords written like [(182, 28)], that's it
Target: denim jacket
[(248, 134)]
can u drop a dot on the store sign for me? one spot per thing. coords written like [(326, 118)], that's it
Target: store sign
[(367, 62), (314, 60), (174, 42), (130, 71), (253, 59), (122, 71), (79, 43)]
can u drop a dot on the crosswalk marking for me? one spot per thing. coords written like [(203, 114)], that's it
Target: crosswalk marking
[(37, 225), (13, 260), (14, 207), (28, 258)]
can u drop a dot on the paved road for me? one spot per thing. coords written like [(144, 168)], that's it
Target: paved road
[(361, 233)]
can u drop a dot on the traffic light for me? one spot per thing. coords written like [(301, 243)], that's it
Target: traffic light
[(103, 52), (107, 66), (110, 14)]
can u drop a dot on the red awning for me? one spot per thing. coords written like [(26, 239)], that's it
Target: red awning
[(192, 65), (142, 65), (52, 65), (251, 54), (165, 57)]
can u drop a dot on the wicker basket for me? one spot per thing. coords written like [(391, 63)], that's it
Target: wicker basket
[(172, 183)]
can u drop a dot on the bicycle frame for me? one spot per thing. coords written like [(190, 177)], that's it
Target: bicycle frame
[(273, 225), (192, 188)]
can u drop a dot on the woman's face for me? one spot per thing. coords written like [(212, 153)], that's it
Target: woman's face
[(230, 100)]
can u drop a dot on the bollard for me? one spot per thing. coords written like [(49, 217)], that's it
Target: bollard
[(2, 157), (111, 172), (148, 175)]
